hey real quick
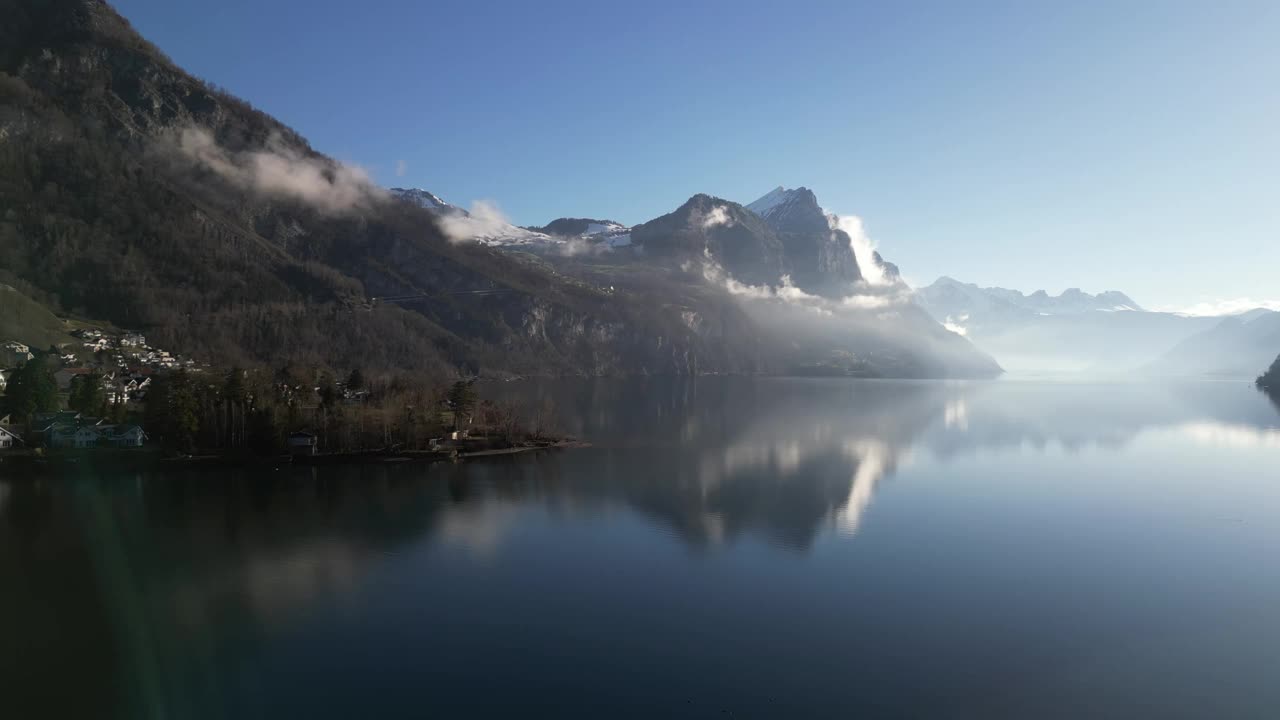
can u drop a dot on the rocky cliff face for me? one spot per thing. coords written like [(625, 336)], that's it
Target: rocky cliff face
[(821, 257), (710, 229)]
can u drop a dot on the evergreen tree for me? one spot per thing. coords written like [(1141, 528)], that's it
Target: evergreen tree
[(32, 389), (172, 411), (462, 401), (235, 397), (156, 413), (184, 407), (87, 395), (117, 413), (328, 393), (355, 381)]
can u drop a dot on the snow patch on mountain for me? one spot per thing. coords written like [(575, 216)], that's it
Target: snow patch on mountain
[(424, 199), (775, 198), (872, 267), (605, 228), (485, 223)]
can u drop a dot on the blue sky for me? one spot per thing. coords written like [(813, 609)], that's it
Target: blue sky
[(1104, 145)]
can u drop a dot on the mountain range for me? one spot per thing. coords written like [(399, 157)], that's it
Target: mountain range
[(139, 195), (963, 303), (1107, 333), (1235, 347)]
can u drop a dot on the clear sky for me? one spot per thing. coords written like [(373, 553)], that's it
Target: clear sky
[(1130, 145)]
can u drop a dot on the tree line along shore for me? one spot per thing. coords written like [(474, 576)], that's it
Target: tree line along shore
[(237, 414)]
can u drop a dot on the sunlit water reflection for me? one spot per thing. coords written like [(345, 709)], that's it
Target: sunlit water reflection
[(766, 548)]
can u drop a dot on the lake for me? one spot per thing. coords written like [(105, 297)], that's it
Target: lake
[(729, 547)]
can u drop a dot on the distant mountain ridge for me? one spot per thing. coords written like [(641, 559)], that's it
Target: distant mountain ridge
[(1106, 333), (950, 298), (1232, 347)]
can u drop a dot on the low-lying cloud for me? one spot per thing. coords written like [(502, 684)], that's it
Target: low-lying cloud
[(1216, 308), (486, 220), (864, 249), (786, 292), (717, 216), (282, 170), (956, 324)]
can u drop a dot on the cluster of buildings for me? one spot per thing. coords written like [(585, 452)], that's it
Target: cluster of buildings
[(72, 430), (118, 386), (124, 362), (129, 350)]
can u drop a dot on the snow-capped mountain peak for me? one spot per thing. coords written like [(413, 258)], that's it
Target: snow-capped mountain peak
[(772, 200), (425, 199), (949, 296), (792, 211), (485, 224), (595, 233)]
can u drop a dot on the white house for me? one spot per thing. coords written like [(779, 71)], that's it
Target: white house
[(126, 436), (70, 436), (133, 340), (60, 435), (14, 353), (8, 440), (86, 434), (87, 437)]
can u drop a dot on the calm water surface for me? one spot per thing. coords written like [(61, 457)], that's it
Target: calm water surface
[(728, 548)]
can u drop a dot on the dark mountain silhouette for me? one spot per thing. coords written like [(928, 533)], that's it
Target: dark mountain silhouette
[(1270, 380), (722, 231)]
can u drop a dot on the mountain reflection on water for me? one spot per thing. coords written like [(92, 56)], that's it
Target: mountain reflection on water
[(154, 590)]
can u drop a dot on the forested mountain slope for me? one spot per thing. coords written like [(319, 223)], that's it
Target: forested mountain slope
[(139, 194)]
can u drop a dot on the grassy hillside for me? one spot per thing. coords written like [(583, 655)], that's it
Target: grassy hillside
[(29, 322)]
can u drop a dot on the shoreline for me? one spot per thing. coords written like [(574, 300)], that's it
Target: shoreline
[(17, 464)]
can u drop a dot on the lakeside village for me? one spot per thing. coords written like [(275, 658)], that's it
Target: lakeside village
[(114, 397)]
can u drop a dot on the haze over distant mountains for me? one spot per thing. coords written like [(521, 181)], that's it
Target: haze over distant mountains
[(1234, 347), (1107, 333), (957, 299)]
